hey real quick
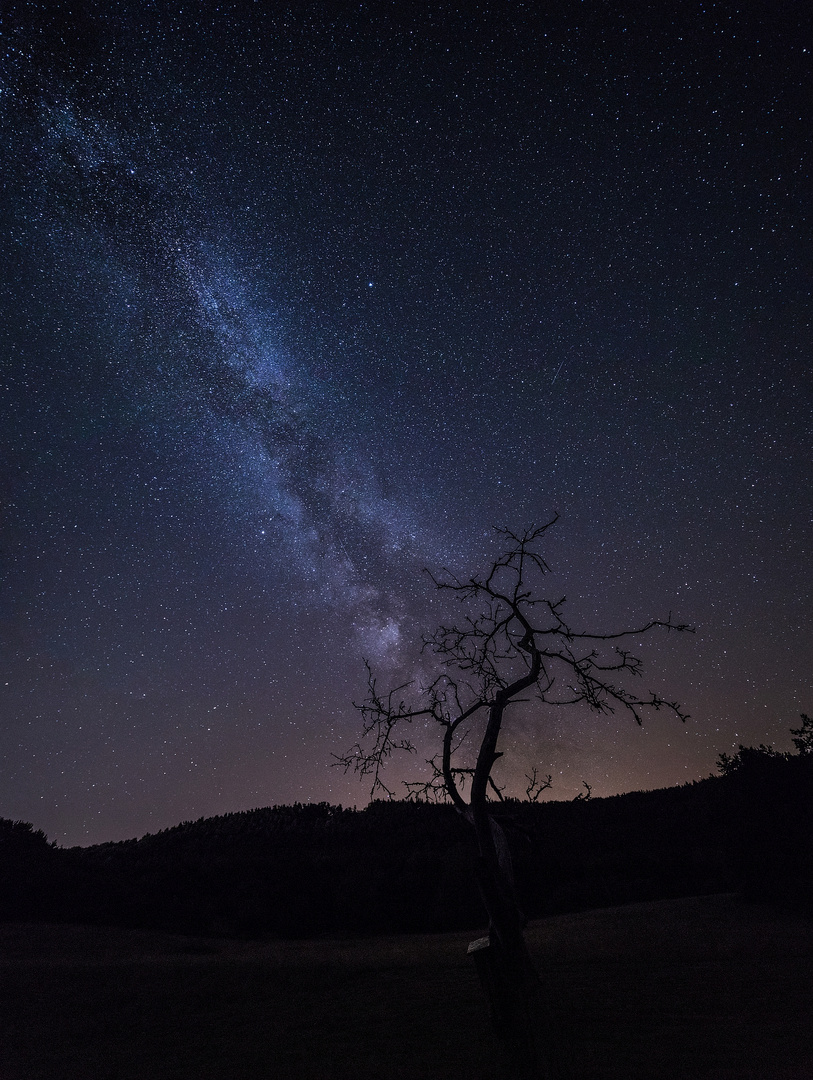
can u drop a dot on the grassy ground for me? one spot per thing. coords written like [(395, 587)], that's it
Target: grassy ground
[(702, 989)]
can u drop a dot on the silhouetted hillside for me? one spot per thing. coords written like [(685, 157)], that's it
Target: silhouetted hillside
[(314, 869)]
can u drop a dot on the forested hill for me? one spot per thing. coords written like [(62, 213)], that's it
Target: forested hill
[(314, 869)]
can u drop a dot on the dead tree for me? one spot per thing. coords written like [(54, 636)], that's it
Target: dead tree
[(511, 645)]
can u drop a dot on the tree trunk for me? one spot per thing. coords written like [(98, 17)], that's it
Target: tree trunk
[(506, 968), (510, 1015), (510, 982)]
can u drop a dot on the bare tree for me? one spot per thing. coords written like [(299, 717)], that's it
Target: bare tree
[(511, 645)]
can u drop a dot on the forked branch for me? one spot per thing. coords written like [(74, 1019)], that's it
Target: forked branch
[(508, 640)]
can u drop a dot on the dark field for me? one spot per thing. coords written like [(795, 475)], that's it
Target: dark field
[(700, 988)]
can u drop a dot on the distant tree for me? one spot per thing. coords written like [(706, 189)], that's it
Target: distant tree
[(749, 757), (771, 818), (510, 645), (28, 870), (804, 735), (746, 757), (21, 838)]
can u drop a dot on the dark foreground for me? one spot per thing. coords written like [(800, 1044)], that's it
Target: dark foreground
[(700, 989)]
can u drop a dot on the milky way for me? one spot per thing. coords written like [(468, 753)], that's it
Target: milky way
[(297, 304), (259, 419)]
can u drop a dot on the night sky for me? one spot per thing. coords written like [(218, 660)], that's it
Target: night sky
[(299, 299)]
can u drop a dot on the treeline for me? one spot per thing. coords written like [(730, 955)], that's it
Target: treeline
[(313, 869)]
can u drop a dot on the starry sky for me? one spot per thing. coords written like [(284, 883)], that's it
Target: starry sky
[(299, 299)]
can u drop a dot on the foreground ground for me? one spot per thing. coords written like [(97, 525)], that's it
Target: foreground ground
[(702, 989)]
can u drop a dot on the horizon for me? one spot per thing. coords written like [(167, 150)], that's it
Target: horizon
[(358, 809)]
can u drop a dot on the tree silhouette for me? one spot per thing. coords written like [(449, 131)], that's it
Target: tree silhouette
[(804, 735), (510, 645)]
